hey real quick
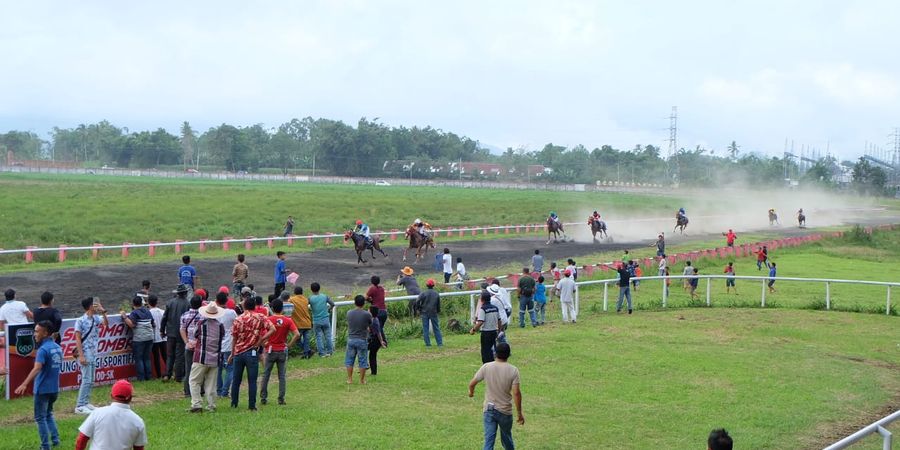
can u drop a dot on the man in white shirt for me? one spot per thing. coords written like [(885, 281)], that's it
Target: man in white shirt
[(447, 261), (13, 312), (662, 265), (114, 426), (567, 296), (158, 351), (461, 274)]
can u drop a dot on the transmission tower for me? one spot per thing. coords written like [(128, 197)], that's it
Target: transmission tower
[(673, 144)]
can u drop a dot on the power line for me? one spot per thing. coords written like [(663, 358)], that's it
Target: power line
[(673, 145)]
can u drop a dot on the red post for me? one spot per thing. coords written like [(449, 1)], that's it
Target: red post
[(518, 229), (327, 240), (450, 233), (151, 249), (225, 243), (514, 279), (178, 246), (95, 252), (290, 240), (270, 243), (309, 239), (125, 246), (475, 232), (506, 229), (461, 233), (62, 253), (394, 232), (203, 245), (29, 254), (248, 244)]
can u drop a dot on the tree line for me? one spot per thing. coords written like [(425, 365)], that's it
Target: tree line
[(374, 149)]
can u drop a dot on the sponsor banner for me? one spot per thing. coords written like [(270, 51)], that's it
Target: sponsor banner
[(113, 360)]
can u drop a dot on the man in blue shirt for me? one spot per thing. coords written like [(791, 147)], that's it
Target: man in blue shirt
[(45, 375), (187, 275), (281, 272), (772, 274)]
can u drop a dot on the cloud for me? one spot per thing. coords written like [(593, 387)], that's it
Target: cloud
[(856, 87), (762, 89)]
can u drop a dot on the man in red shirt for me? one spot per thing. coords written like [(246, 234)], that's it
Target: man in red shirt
[(375, 296), (248, 333), (762, 257), (277, 350), (729, 238)]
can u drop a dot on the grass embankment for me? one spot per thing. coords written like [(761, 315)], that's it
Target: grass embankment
[(47, 210), (774, 378)]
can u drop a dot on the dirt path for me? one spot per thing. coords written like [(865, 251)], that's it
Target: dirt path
[(335, 269)]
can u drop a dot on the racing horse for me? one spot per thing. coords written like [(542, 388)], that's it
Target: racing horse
[(554, 228), (773, 218), (360, 244), (598, 226), (681, 222), (801, 219), (418, 242)]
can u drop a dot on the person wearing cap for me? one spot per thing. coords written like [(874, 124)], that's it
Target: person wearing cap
[(489, 323), (430, 305), (320, 306), (566, 289), (229, 302), (171, 332), (115, 426), (87, 337), (140, 321), (501, 381), (248, 333), (409, 282), (190, 320), (362, 229), (45, 374), (208, 336)]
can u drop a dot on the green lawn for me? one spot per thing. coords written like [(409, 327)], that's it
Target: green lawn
[(774, 378)]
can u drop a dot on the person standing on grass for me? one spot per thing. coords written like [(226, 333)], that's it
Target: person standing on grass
[(772, 274), (277, 350), (301, 315), (447, 261), (239, 275), (187, 275), (573, 268), (487, 321), (719, 440), (502, 295), (115, 426), (461, 274), (409, 282), (694, 281), (540, 300), (624, 288), (729, 238), (140, 320), (158, 350), (762, 257), (281, 272), (494, 291), (501, 381), (375, 296), (377, 340), (537, 261), (224, 369), (47, 312), (429, 304), (248, 333), (87, 336), (190, 320), (557, 275), (663, 265), (567, 297), (289, 226), (320, 306), (358, 322), (688, 271), (171, 331), (660, 244), (45, 374), (525, 289), (209, 335), (729, 282)]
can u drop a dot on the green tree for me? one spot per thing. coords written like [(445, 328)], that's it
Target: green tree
[(188, 144)]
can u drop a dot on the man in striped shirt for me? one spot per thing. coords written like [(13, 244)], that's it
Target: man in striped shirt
[(208, 338)]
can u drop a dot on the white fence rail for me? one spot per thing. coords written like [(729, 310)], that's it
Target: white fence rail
[(873, 428)]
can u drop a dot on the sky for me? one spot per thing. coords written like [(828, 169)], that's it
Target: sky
[(820, 74)]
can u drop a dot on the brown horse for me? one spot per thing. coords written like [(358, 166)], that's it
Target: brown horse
[(359, 242), (680, 222), (418, 242), (554, 228), (598, 226)]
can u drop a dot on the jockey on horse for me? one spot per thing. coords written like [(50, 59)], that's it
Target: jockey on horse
[(801, 218), (555, 218), (597, 225), (424, 228), (362, 229)]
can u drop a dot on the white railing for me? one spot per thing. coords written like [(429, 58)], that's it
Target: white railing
[(606, 282), (876, 427)]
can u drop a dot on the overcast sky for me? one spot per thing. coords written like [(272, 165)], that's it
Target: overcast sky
[(506, 73)]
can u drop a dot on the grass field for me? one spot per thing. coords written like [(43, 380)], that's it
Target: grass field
[(774, 378)]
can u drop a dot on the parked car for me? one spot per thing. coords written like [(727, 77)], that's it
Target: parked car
[(191, 170), (382, 183)]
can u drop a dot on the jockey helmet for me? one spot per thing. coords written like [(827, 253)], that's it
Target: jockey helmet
[(417, 221), (681, 210), (552, 213), (359, 222), (596, 214)]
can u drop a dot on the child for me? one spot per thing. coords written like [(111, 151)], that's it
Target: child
[(461, 274), (688, 270), (693, 282), (540, 300), (729, 282), (668, 281), (638, 272), (557, 274), (772, 274)]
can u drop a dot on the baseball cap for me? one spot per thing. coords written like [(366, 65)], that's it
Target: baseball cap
[(246, 290), (430, 282), (122, 390), (567, 272)]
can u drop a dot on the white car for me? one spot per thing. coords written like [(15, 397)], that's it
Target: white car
[(382, 183)]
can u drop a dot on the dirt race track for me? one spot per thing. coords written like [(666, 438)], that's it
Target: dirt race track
[(335, 269)]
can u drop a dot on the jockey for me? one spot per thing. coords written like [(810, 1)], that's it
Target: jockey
[(680, 214), (554, 217), (800, 213), (595, 217), (422, 227), (362, 229)]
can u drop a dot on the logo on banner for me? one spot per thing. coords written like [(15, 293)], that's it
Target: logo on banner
[(24, 341)]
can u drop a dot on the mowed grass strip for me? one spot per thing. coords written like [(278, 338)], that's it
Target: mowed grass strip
[(774, 378)]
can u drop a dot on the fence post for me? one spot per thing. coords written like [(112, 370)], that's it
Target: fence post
[(226, 243), (29, 254), (151, 249), (577, 296), (95, 252), (333, 324), (125, 246), (827, 295), (62, 253), (178, 246), (887, 309), (708, 283), (665, 292), (472, 308), (605, 296), (763, 304)]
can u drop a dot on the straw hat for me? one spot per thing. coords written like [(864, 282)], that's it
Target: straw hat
[(407, 271), (211, 311)]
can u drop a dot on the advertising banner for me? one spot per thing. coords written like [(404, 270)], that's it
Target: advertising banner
[(113, 361)]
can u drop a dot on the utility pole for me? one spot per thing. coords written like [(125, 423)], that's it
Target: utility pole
[(673, 145)]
